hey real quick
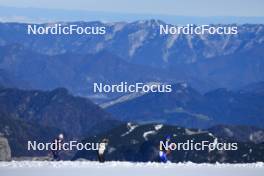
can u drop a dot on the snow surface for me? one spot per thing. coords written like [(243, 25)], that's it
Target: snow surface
[(146, 134), (81, 168), (131, 128), (158, 127), (136, 40)]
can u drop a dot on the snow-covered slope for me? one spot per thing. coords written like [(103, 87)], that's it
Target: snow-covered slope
[(81, 168)]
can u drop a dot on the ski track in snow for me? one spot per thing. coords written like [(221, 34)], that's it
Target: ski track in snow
[(90, 168)]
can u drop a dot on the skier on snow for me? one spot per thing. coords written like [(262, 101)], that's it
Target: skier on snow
[(56, 153), (101, 151), (163, 153)]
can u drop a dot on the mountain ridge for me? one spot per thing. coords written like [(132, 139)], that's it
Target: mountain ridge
[(186, 107)]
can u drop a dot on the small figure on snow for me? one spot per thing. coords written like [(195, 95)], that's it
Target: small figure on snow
[(101, 150), (56, 153), (163, 153)]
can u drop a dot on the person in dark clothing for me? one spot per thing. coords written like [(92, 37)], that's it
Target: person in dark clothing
[(56, 153), (101, 150)]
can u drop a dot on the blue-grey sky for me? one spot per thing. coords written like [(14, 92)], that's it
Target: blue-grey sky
[(168, 7)]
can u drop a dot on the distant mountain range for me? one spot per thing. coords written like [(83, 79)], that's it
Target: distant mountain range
[(132, 52), (46, 88), (186, 107), (136, 52), (138, 42), (76, 72), (133, 142), (41, 15), (42, 115)]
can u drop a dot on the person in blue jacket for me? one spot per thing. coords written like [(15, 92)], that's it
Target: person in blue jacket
[(163, 153)]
